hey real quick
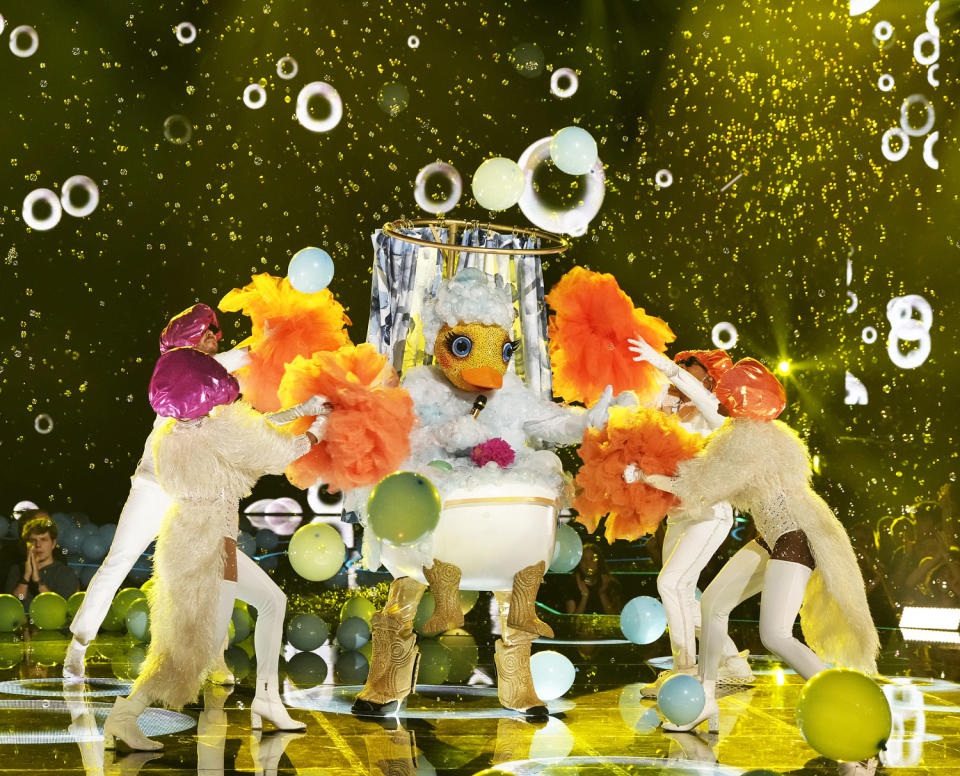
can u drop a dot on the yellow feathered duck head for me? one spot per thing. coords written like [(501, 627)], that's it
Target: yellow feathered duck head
[(467, 327)]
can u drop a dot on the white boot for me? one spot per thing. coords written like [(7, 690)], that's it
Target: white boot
[(267, 705), (710, 713), (736, 670), (122, 723), (268, 749), (73, 663)]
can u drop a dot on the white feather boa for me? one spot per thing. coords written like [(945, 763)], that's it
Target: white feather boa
[(748, 464), (207, 467)]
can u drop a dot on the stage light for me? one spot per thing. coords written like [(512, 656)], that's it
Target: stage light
[(936, 636), (930, 618), (816, 464), (783, 367)]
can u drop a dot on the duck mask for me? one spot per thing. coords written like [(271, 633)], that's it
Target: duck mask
[(474, 356)]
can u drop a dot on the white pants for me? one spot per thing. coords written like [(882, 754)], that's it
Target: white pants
[(688, 547), (138, 525), (782, 584), (255, 587)]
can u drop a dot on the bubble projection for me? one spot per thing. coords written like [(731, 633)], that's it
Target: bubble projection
[(438, 187), (319, 107), (79, 196), (24, 41), (42, 209)]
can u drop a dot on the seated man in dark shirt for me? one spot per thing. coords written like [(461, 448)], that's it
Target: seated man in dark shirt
[(42, 571)]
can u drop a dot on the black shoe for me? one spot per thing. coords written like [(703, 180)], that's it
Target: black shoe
[(536, 712), (362, 708)]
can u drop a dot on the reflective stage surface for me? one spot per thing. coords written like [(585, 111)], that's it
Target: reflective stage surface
[(602, 726)]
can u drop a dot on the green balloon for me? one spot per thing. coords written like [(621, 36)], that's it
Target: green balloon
[(138, 620), (306, 632), (464, 654), (74, 603), (47, 648), (403, 507), (116, 619), (11, 613), (444, 466), (316, 551), (11, 651), (435, 662), (242, 621), (307, 669), (127, 665), (358, 607), (48, 611), (468, 599), (425, 610), (351, 667)]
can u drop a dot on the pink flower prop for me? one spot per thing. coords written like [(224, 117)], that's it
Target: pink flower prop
[(496, 450)]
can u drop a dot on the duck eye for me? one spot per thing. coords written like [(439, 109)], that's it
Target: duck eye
[(461, 346), (509, 349)]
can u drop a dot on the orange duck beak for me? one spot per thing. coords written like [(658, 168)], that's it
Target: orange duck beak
[(483, 377)]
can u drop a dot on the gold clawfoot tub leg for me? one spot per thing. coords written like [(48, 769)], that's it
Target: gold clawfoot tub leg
[(512, 658), (395, 657), (444, 579), (523, 609)]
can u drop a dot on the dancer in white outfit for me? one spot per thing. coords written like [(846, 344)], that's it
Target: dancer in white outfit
[(694, 533), (209, 454), (803, 555)]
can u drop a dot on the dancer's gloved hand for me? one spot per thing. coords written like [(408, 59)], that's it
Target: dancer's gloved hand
[(632, 474), (315, 405), (597, 414), (646, 352), (319, 427)]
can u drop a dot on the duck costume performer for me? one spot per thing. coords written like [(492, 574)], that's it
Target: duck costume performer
[(487, 429), (208, 456), (802, 557)]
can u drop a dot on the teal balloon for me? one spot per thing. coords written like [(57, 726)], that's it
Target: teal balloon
[(307, 669), (116, 619), (567, 551), (553, 674), (681, 699), (107, 532), (353, 633), (643, 620), (246, 544), (351, 668), (573, 150), (74, 603), (306, 632), (12, 615), (316, 551), (310, 270), (267, 540), (94, 548), (435, 662), (48, 611), (138, 620), (498, 183), (635, 712), (403, 507)]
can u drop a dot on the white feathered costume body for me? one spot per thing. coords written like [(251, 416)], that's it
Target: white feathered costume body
[(763, 468), (206, 466)]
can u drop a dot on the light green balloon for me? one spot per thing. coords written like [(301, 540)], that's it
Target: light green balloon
[(74, 603), (464, 654), (116, 618), (358, 606), (12, 615), (316, 551), (48, 611), (138, 620), (444, 466), (573, 150), (242, 621), (425, 611), (468, 599), (403, 507), (498, 183)]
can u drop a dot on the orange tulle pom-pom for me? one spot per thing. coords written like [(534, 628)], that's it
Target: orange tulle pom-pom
[(654, 441), (592, 321), (367, 435), (285, 323)]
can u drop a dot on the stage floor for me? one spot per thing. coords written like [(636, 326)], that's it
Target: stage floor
[(602, 726)]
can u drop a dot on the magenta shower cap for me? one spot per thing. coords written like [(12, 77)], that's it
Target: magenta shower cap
[(187, 384), (186, 329)]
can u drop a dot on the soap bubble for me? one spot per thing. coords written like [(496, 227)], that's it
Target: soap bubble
[(3, 23), (413, 42), (929, 118), (527, 59), (79, 196), (393, 98), (564, 82), (555, 201), (177, 129), (724, 335), (663, 178), (42, 210), (287, 67), (254, 96), (24, 41), (185, 32), (438, 187), (43, 423), (319, 107), (885, 82)]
